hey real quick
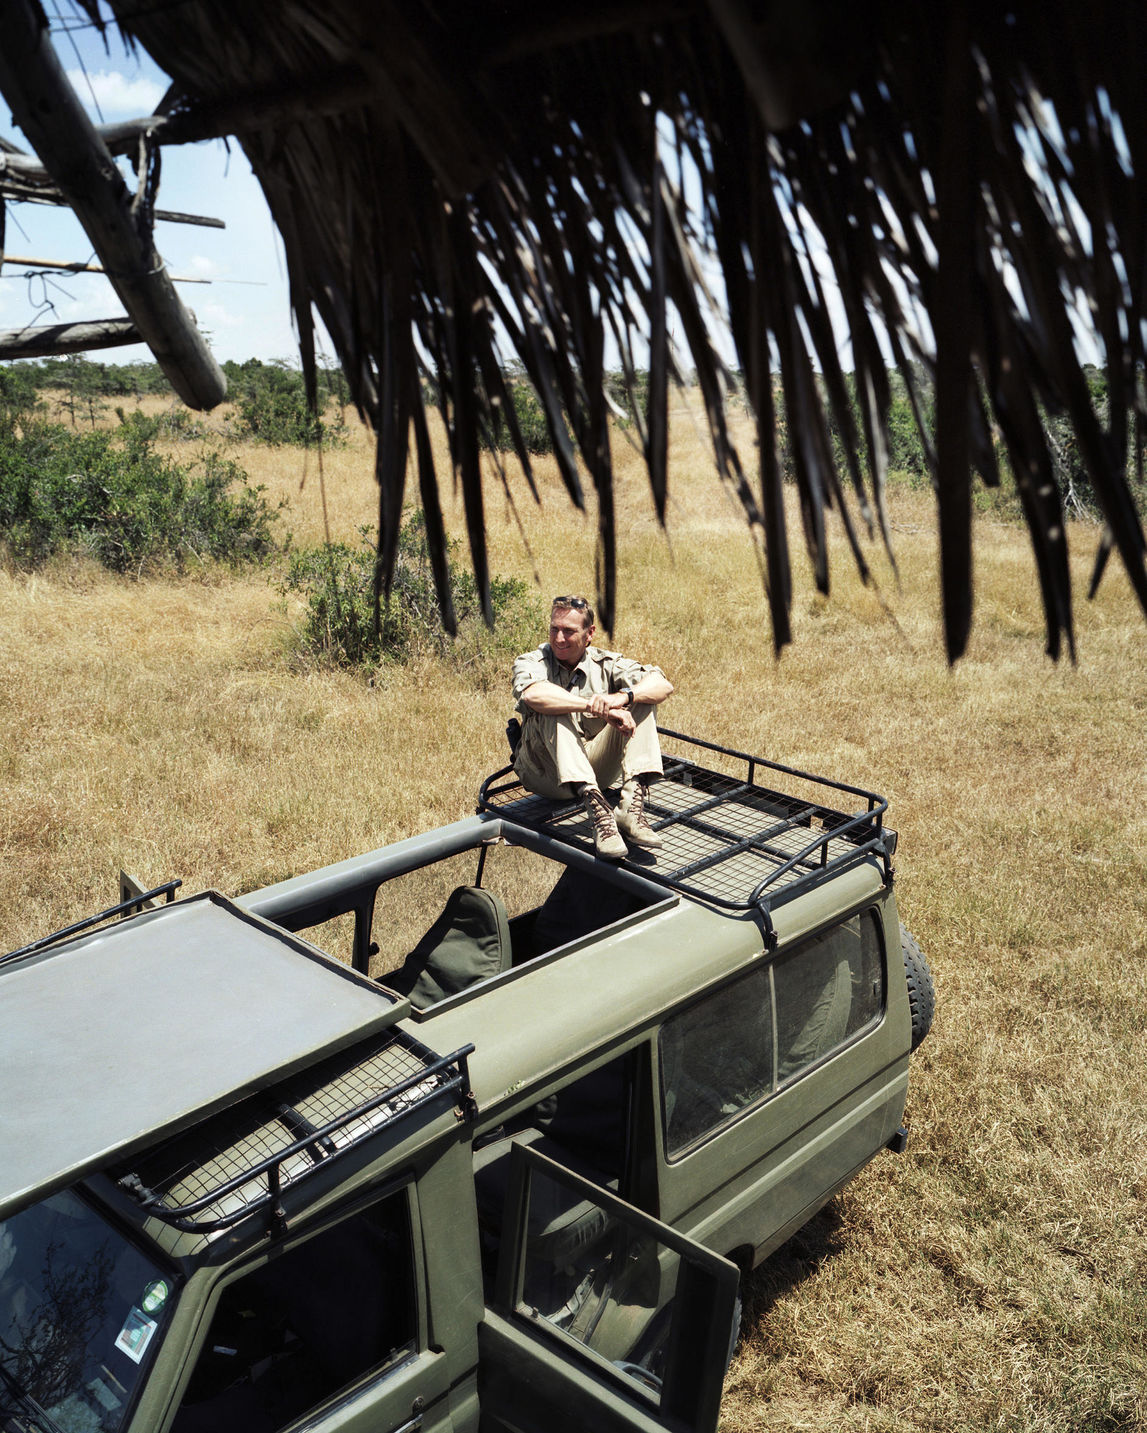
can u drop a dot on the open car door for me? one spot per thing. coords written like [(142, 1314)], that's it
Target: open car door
[(603, 1317)]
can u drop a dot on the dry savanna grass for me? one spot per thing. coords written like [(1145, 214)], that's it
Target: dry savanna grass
[(993, 1277)]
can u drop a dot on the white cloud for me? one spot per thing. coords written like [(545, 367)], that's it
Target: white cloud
[(115, 93), (217, 315)]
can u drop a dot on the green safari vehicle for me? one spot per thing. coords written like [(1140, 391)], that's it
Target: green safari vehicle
[(474, 1131)]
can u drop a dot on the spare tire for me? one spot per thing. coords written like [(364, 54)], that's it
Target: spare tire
[(921, 992)]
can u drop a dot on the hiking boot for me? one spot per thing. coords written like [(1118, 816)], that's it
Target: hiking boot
[(632, 820), (606, 840)]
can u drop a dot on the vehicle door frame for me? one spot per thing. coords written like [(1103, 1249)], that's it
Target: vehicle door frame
[(416, 1382), (537, 1379)]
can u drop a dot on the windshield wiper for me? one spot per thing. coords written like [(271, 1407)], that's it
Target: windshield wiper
[(26, 1406)]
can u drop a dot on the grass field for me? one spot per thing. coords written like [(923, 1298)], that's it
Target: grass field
[(995, 1276)]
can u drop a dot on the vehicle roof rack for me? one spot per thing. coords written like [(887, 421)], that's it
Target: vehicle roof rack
[(129, 906), (239, 1163), (729, 840)]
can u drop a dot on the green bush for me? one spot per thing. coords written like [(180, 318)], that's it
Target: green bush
[(271, 403), (628, 402), (340, 626), (111, 496), (18, 394), (531, 423), (176, 423), (111, 380)]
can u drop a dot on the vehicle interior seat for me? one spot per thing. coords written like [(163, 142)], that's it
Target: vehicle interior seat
[(469, 942), (561, 1225), (579, 904), (826, 1017)]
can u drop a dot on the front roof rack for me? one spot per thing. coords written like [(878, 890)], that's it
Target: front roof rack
[(200, 995), (239, 1163), (730, 841)]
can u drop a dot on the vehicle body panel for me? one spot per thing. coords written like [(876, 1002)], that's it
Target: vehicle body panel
[(459, 1179)]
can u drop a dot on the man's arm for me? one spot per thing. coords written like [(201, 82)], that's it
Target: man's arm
[(549, 699), (650, 691)]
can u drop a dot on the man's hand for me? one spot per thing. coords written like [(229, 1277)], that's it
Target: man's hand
[(620, 718), (602, 703)]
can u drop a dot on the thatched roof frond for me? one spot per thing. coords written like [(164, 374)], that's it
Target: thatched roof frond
[(478, 182)]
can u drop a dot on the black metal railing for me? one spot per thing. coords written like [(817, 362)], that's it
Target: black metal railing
[(123, 908), (729, 840), (317, 1143)]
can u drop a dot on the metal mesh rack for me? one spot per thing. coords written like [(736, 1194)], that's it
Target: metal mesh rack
[(217, 1173), (729, 840)]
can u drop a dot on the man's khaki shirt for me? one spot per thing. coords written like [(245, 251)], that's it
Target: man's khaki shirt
[(597, 674)]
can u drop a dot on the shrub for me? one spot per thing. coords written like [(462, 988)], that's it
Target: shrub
[(176, 423), (18, 394), (340, 626), (531, 423), (271, 403), (113, 497), (629, 403)]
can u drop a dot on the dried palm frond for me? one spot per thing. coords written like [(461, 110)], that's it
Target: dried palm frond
[(460, 184)]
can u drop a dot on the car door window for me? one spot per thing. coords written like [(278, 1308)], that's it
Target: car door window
[(716, 1058), (309, 1322), (647, 1308)]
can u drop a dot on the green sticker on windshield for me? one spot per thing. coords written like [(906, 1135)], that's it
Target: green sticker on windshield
[(155, 1295)]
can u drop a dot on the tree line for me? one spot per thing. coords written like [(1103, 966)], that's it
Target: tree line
[(269, 399), (269, 405)]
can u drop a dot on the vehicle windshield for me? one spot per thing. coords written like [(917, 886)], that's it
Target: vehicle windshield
[(81, 1315)]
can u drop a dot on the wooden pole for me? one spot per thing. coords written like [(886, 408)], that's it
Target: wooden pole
[(77, 268), (17, 190), (333, 93), (53, 339), (46, 108)]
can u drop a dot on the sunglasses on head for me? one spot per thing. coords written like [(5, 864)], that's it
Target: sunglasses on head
[(579, 604)]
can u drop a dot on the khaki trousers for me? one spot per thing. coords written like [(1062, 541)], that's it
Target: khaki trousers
[(557, 755)]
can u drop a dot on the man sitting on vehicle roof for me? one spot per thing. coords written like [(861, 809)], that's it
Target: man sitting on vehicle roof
[(587, 723)]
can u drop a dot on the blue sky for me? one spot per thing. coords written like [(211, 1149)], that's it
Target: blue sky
[(244, 310)]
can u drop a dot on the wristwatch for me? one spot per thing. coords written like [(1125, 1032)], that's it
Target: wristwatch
[(629, 698)]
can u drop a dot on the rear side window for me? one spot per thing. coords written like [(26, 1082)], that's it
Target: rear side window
[(826, 992), (716, 1058), (736, 1046)]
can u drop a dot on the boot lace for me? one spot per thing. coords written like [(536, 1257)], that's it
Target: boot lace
[(601, 814), (637, 808)]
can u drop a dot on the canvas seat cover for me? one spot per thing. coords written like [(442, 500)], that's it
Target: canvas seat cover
[(469, 942)]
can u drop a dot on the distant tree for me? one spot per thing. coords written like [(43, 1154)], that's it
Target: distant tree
[(271, 402)]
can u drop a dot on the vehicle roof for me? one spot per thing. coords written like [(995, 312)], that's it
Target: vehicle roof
[(196, 1003), (548, 1016), (728, 838)]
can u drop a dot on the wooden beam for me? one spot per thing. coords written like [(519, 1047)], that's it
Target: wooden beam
[(338, 90), (46, 108), (53, 339), (176, 216), (23, 193), (72, 268)]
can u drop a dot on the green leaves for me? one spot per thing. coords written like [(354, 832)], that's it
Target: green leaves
[(271, 403), (343, 625), (112, 497)]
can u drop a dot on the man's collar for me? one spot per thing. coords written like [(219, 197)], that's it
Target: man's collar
[(582, 666)]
